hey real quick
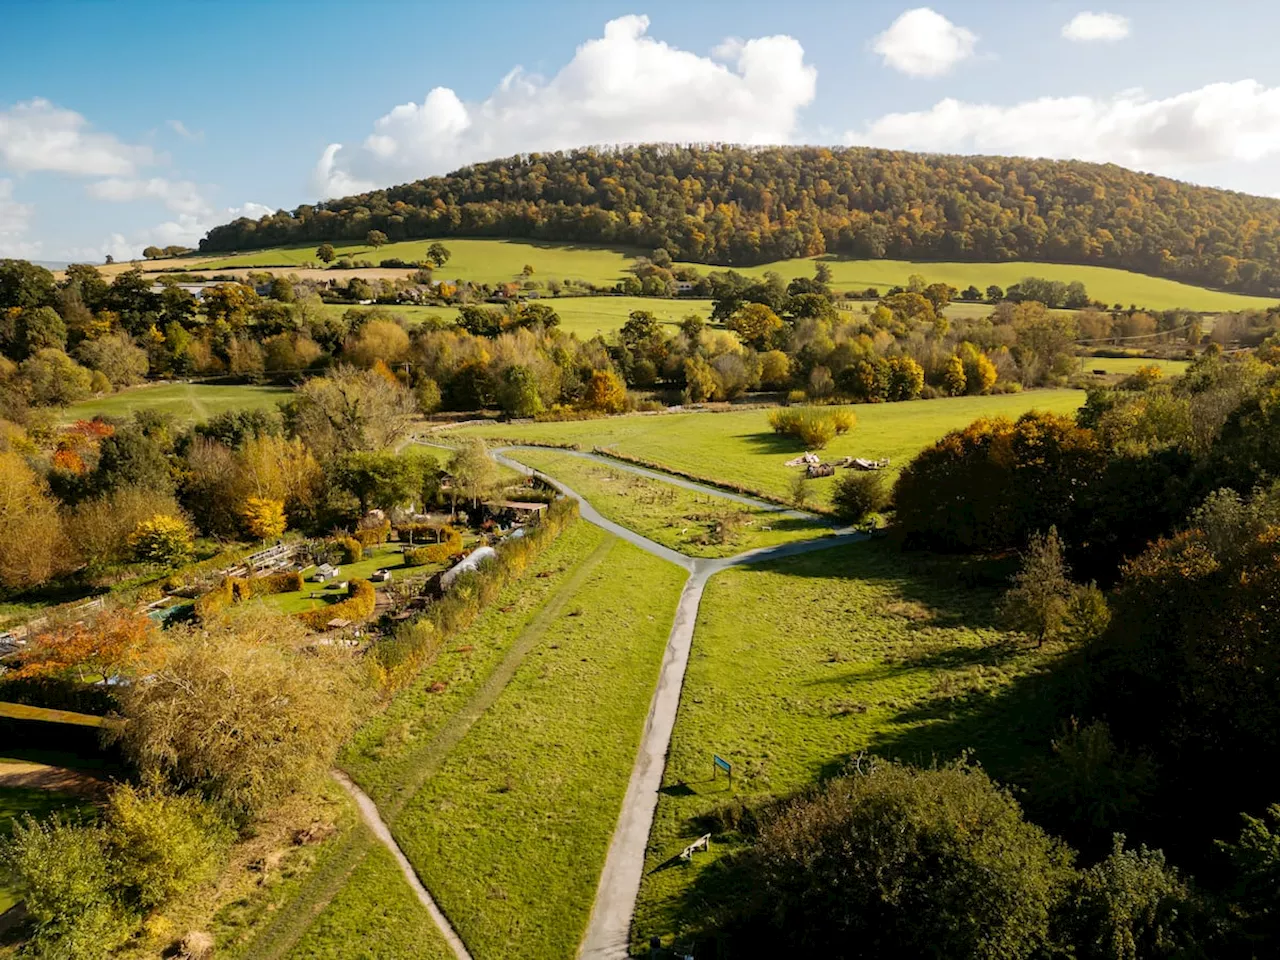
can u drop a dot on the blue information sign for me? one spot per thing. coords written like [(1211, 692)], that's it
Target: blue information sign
[(722, 763)]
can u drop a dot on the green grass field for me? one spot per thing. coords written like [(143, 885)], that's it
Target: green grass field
[(510, 834), (387, 555), (480, 261), (187, 402), (374, 917), (739, 448), (583, 316), (498, 261), (1127, 365), (683, 520), (799, 665)]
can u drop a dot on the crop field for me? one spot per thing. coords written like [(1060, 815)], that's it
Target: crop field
[(799, 665), (375, 916), (695, 524), (739, 448), (186, 402), (511, 832), (584, 316), (499, 261)]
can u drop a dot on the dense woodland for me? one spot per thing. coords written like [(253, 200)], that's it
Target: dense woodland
[(737, 206)]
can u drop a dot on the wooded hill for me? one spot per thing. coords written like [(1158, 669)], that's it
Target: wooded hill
[(733, 205)]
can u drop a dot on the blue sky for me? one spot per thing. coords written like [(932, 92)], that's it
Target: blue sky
[(123, 124)]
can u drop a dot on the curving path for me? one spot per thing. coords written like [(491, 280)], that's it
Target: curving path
[(373, 820), (609, 930)]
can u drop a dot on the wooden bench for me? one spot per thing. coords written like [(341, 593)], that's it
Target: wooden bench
[(702, 843)]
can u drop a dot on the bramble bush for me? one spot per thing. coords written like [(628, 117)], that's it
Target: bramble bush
[(858, 495)]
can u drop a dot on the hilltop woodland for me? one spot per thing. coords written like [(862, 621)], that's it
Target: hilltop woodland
[(740, 205)]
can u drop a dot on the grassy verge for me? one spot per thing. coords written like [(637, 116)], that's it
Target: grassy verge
[(374, 917), (801, 664), (740, 448), (695, 524), (510, 835), (389, 755)]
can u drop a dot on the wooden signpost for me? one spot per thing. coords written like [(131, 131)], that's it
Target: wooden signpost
[(720, 763)]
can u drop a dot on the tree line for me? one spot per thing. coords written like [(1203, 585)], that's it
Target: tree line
[(742, 205)]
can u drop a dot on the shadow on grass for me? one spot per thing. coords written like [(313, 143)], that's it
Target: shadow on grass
[(770, 442)]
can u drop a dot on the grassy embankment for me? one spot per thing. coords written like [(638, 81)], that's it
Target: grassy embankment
[(695, 524), (740, 448), (798, 666)]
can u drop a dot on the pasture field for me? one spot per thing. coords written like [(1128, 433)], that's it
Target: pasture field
[(739, 448), (480, 261), (695, 524), (186, 402), (375, 916), (511, 833), (799, 665), (502, 260), (1128, 365), (1107, 284), (584, 316)]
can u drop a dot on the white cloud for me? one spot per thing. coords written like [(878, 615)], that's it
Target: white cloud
[(254, 211), (1221, 122), (180, 128), (179, 196), (623, 87), (924, 43), (15, 218), (36, 135), (1088, 27)]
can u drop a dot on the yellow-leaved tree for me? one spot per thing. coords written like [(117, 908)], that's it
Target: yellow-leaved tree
[(163, 539), (264, 517)]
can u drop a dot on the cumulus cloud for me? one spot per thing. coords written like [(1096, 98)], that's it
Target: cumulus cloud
[(179, 196), (1221, 122), (924, 43), (36, 135), (1089, 27), (623, 87), (15, 218), (254, 211)]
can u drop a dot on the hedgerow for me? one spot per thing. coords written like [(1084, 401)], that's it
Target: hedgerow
[(359, 605)]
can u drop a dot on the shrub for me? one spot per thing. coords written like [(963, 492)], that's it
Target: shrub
[(288, 581), (373, 536), (441, 552), (814, 428), (237, 714), (901, 862), (858, 495), (163, 539), (350, 550), (843, 421), (359, 604), (216, 600)]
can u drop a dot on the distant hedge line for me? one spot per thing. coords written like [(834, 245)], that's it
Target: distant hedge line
[(361, 599), (232, 590)]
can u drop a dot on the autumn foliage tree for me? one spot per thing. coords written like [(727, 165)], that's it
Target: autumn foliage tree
[(605, 392), (32, 545), (264, 518), (107, 646)]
